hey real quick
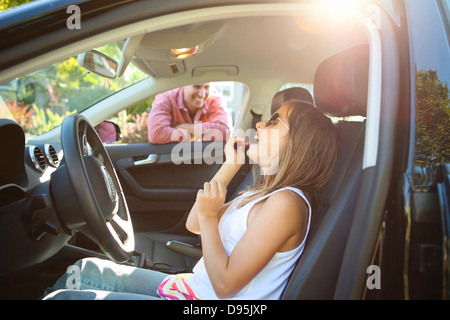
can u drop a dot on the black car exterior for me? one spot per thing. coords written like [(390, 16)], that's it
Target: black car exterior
[(412, 245)]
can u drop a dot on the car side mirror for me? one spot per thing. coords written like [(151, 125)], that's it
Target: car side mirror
[(108, 131), (98, 63)]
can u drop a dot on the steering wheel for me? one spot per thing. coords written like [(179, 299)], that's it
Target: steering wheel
[(88, 177)]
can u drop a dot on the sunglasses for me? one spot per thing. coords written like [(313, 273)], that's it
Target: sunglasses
[(273, 119)]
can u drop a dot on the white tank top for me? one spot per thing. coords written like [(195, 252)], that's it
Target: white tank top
[(270, 282)]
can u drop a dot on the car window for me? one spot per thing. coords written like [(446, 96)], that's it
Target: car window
[(432, 121), (134, 122), (432, 96), (40, 100), (445, 8)]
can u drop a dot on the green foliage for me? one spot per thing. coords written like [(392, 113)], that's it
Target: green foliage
[(44, 120), (141, 107), (20, 113), (134, 129), (433, 119), (42, 99), (64, 88), (33, 120), (7, 4), (133, 122)]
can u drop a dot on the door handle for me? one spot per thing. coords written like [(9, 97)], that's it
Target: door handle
[(150, 159)]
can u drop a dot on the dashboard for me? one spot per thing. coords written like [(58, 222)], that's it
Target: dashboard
[(22, 165), (30, 226)]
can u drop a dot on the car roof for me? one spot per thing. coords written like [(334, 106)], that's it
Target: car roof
[(262, 38)]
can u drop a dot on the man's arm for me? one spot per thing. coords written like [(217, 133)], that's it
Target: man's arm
[(219, 122)]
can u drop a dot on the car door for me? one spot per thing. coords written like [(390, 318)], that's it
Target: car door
[(161, 181), (412, 247)]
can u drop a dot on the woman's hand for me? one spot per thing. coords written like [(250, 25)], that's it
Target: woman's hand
[(211, 198)]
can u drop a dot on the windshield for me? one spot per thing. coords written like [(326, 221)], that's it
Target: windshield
[(40, 101)]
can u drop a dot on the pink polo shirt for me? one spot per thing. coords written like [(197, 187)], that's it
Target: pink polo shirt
[(168, 110)]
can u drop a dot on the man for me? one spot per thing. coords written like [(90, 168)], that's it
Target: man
[(188, 113)]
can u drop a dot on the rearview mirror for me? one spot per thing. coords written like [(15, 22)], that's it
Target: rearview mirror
[(98, 63)]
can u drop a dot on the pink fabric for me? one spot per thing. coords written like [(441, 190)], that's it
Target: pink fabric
[(168, 110), (176, 287), (107, 132)]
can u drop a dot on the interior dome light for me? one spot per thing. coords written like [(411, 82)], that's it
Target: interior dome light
[(183, 53)]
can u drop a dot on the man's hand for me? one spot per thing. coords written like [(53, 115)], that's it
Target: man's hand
[(196, 134)]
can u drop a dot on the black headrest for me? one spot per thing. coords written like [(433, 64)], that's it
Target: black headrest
[(295, 93), (341, 83)]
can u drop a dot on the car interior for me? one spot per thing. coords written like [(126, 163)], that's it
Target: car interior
[(335, 57)]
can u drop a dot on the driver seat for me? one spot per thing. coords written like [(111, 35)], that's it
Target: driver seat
[(340, 89)]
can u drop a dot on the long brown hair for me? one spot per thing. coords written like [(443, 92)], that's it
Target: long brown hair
[(308, 158)]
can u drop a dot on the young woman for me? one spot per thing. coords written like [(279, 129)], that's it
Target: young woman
[(250, 245)]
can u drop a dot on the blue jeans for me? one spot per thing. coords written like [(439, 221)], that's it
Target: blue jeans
[(95, 279)]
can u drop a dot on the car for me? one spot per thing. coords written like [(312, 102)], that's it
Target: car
[(379, 69)]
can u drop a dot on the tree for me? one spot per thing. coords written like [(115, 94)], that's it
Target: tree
[(7, 4), (433, 119)]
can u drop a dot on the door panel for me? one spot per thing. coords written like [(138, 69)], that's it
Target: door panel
[(160, 182)]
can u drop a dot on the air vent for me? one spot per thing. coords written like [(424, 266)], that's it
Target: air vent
[(38, 158), (52, 155)]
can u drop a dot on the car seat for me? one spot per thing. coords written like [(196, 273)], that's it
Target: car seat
[(294, 93), (340, 89)]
